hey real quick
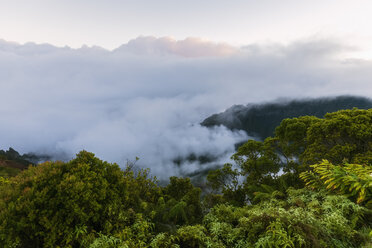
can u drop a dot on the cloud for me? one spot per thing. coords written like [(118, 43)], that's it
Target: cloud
[(189, 47), (147, 97)]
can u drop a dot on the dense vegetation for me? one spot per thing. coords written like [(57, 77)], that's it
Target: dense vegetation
[(11, 162), (310, 185), (260, 120)]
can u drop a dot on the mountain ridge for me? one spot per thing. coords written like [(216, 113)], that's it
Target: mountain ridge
[(260, 120)]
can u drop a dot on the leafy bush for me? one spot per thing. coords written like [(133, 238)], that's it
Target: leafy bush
[(60, 204), (304, 219), (353, 180)]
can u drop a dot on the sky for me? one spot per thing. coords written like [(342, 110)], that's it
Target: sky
[(111, 23), (135, 78)]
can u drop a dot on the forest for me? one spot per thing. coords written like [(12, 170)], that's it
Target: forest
[(260, 120), (307, 185)]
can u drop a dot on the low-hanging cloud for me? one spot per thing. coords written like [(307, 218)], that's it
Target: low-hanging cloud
[(148, 97)]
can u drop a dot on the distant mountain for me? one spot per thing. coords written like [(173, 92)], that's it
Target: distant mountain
[(11, 162), (260, 120)]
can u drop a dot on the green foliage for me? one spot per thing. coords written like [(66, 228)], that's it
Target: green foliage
[(227, 177), (284, 217), (4, 181), (179, 205), (57, 204), (343, 135), (304, 219), (226, 181), (259, 201), (353, 180), (291, 140), (138, 234), (8, 171), (261, 120), (164, 240), (276, 235), (256, 163), (104, 241), (12, 163), (266, 193), (192, 236), (20, 161), (186, 236), (178, 187), (256, 159)]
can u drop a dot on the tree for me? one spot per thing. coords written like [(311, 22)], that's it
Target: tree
[(62, 204), (179, 205), (353, 180), (225, 181), (298, 143), (344, 135), (303, 219), (256, 160), (256, 163), (291, 141)]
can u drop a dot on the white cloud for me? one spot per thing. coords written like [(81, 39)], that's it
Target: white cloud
[(147, 98), (189, 47)]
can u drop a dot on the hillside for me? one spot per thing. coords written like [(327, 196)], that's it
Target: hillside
[(260, 120), (320, 195), (11, 162)]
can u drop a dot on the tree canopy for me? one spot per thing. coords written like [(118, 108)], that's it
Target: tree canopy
[(310, 185)]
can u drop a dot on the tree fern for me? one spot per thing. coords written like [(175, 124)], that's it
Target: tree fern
[(353, 180), (267, 192)]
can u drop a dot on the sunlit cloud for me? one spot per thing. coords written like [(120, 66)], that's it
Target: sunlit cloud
[(189, 47)]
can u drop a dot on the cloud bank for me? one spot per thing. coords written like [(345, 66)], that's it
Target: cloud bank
[(189, 47), (147, 97)]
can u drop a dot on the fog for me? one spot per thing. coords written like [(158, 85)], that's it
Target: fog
[(147, 97)]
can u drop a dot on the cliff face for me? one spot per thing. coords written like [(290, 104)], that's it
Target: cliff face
[(260, 120)]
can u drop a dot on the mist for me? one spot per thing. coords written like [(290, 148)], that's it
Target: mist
[(147, 98)]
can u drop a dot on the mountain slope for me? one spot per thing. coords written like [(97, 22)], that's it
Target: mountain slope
[(11, 162), (260, 120)]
